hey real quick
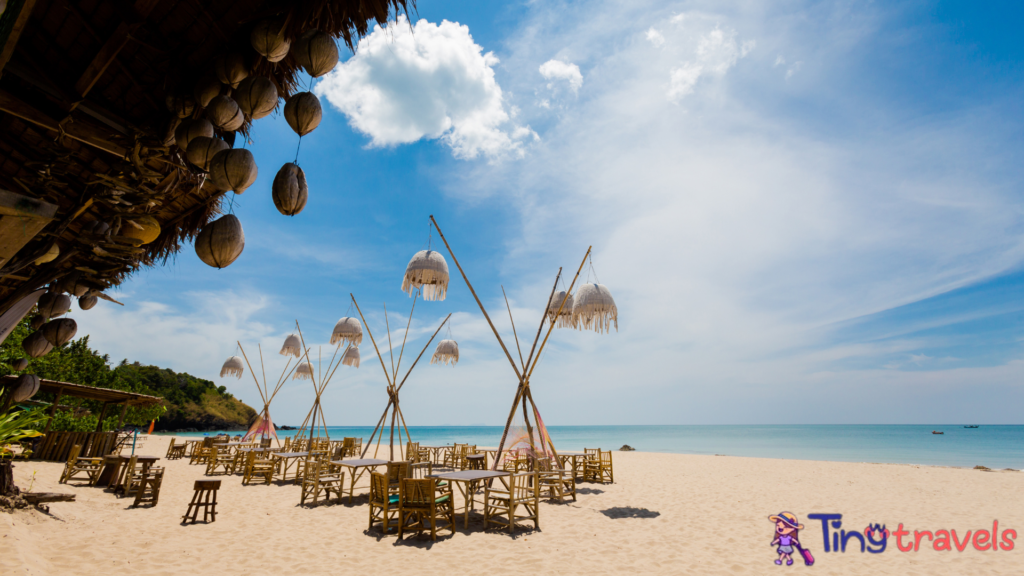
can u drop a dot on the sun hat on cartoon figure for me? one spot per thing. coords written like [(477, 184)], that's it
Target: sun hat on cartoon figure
[(788, 518)]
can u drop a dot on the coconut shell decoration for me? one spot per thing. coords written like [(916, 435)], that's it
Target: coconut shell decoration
[(144, 228), (220, 242), (73, 284), (303, 112), (289, 190), (36, 322), (230, 69), (19, 364), (316, 52), (35, 345), (206, 89), (268, 39), (202, 149), (50, 256), (190, 129), (52, 304), (88, 302), (256, 96), (181, 106), (233, 169), (225, 114), (60, 331), (25, 388)]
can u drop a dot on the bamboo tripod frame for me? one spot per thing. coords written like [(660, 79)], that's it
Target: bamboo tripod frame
[(265, 394), (523, 393), (394, 387), (310, 424)]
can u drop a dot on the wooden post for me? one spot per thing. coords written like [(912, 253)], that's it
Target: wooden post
[(124, 410), (53, 410), (103, 414)]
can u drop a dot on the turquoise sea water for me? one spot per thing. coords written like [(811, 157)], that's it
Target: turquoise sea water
[(992, 446)]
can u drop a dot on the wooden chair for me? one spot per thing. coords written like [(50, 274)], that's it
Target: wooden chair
[(358, 447), (348, 448), (517, 461), (421, 470), (149, 487), (201, 452), (451, 456), (600, 469), (397, 471), (412, 452), (174, 451), (427, 502), (91, 467), (523, 492), (205, 497), (383, 504), (558, 482), (464, 450), (314, 482), (257, 466), (220, 458), (129, 477), (265, 442)]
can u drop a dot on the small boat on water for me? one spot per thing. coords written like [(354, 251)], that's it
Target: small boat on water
[(935, 432), (974, 426)]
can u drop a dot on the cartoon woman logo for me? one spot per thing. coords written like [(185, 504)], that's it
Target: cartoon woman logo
[(787, 534)]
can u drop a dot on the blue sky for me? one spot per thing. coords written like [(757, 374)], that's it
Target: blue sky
[(806, 211)]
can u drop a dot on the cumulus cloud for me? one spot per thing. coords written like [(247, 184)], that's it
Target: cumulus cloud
[(558, 70), (406, 83), (655, 37), (717, 51)]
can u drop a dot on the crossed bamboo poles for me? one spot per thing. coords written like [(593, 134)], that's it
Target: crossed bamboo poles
[(318, 389), (523, 392), (265, 395), (394, 387)]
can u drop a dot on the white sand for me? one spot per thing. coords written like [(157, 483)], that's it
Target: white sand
[(712, 519)]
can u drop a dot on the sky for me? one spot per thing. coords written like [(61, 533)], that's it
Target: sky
[(807, 212)]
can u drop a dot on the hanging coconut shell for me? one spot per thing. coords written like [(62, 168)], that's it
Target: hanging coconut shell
[(289, 190), (37, 322), (97, 227), (146, 229), (594, 309), (25, 388), (73, 284), (292, 346), (303, 112), (233, 366), (206, 89), (202, 149), (181, 106), (60, 331), (231, 68), (316, 52), (428, 269), (304, 371), (563, 318), (447, 352), (19, 364), (52, 304), (233, 169), (88, 302), (268, 39), (224, 113), (351, 357), (50, 256), (220, 242), (190, 129), (347, 331), (35, 345), (256, 96)]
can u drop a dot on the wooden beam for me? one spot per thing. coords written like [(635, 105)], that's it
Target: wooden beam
[(76, 130), (103, 414), (21, 219), (124, 409), (16, 30), (112, 47), (53, 410)]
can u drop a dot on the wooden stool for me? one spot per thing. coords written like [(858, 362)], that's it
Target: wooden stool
[(205, 497), (477, 461), (149, 487)]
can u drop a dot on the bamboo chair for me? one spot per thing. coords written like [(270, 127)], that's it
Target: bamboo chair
[(523, 492), (600, 469), (348, 447), (464, 450), (421, 470), (130, 477), (314, 482), (255, 466), (428, 502), (220, 458), (519, 461), (558, 482), (358, 447), (91, 467), (412, 452), (383, 504), (397, 471), (287, 444), (451, 456), (314, 455), (265, 442), (174, 451), (149, 487), (201, 452)]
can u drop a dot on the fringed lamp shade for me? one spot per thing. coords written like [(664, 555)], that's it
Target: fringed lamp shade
[(563, 318), (447, 352), (234, 366), (292, 346), (351, 357), (304, 371), (429, 270), (348, 331), (594, 309)]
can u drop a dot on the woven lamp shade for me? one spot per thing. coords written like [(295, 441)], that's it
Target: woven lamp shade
[(202, 149), (594, 309), (303, 112), (347, 331), (292, 346), (35, 345), (351, 357), (26, 387), (220, 242), (561, 319), (447, 352), (231, 69), (59, 331), (233, 169), (268, 39), (304, 371), (429, 270), (190, 129), (233, 366), (316, 52), (53, 304), (225, 113), (256, 96)]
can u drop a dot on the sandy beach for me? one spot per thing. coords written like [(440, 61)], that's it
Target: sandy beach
[(664, 514)]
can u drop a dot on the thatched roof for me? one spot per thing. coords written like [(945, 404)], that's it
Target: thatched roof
[(86, 134)]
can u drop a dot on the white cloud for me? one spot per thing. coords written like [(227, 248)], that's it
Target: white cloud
[(558, 70), (406, 83), (713, 54), (655, 37)]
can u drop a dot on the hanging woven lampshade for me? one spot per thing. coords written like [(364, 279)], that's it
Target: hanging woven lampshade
[(207, 87), (225, 114), (256, 96), (447, 352), (594, 309), (25, 388), (88, 301), (233, 366), (303, 112), (316, 52), (73, 283), (19, 364), (268, 39), (429, 270), (351, 357), (60, 331), (37, 322), (50, 255), (192, 128), (230, 68), (53, 304), (347, 331), (561, 319), (202, 149), (220, 242), (304, 371), (35, 345), (289, 190), (144, 228), (181, 106), (292, 346), (233, 169)]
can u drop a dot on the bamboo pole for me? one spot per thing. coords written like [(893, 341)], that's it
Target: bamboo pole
[(404, 338), (514, 335)]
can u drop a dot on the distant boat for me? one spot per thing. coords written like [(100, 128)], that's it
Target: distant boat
[(934, 432), (975, 426)]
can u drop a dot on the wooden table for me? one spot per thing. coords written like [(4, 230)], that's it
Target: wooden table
[(285, 460), (579, 460), (112, 464), (357, 467), (436, 453), (466, 481)]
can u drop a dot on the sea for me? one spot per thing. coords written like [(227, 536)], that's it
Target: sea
[(994, 446)]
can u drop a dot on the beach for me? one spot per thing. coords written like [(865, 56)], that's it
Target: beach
[(665, 514)]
